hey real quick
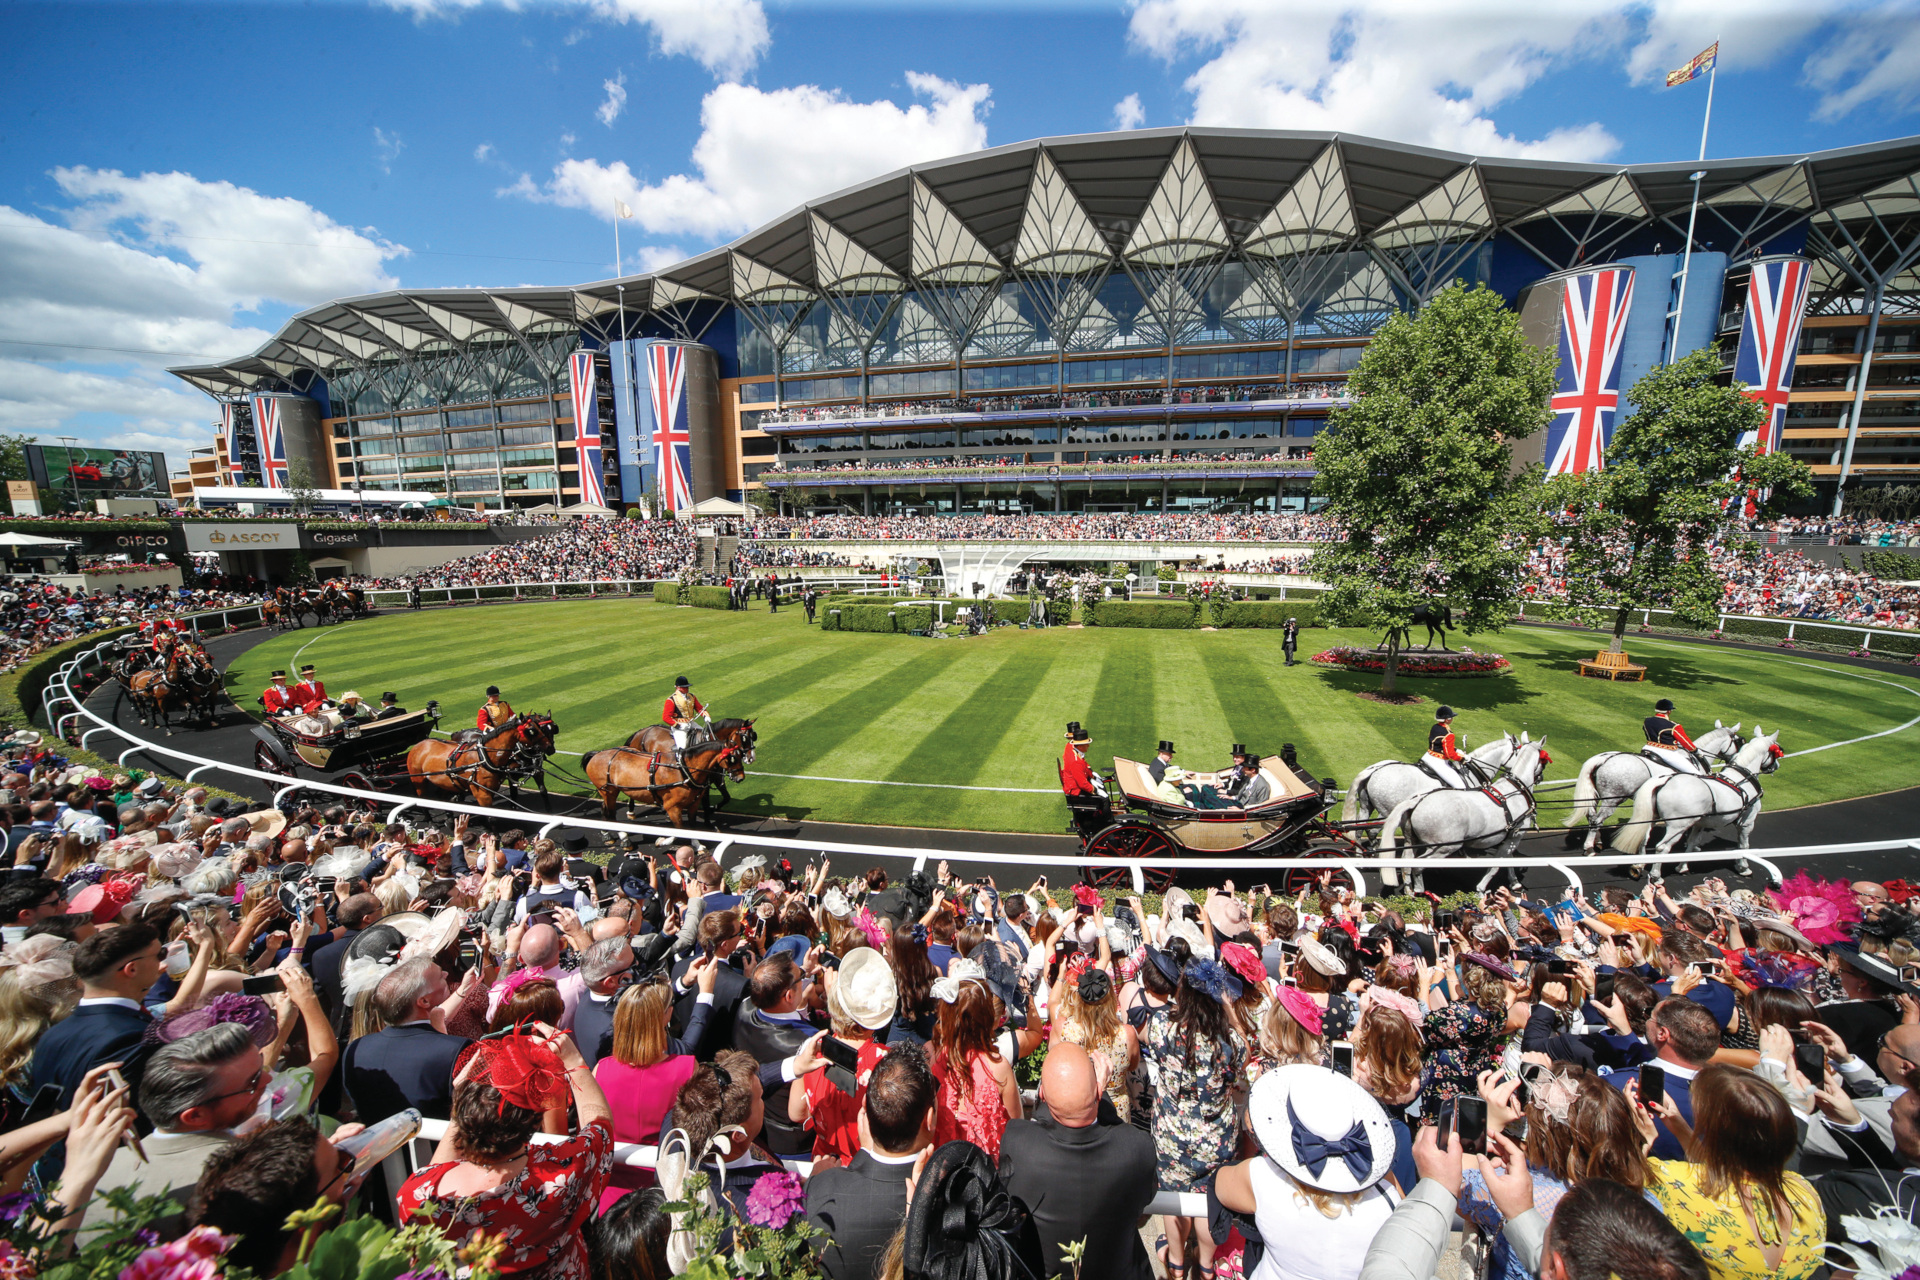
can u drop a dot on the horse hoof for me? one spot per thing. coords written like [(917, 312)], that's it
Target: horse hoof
[(1635, 871), (1680, 869)]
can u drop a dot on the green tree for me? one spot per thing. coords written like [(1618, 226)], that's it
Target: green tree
[(13, 463), (301, 489), (1419, 470), (1638, 530)]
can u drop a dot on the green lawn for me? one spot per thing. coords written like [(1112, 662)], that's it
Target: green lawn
[(989, 712)]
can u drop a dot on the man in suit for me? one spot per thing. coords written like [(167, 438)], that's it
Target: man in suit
[(860, 1206), (604, 967), (719, 934), (116, 967), (389, 707), (1684, 1037), (772, 1026), (1081, 1171), (356, 913), (410, 1063), (1289, 638)]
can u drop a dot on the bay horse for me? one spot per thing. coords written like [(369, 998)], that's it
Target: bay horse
[(679, 789), (738, 734), (516, 749)]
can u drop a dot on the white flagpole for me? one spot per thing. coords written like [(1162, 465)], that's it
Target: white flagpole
[(616, 202), (1686, 259)]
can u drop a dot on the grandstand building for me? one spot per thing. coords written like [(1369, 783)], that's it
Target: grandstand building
[(1153, 320)]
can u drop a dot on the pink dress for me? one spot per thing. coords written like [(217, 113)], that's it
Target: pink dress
[(979, 1116), (639, 1098)]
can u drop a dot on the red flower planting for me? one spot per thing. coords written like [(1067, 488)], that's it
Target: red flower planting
[(1352, 658)]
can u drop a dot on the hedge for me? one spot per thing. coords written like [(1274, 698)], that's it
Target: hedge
[(1248, 613), (666, 592), (897, 618), (708, 597), (1161, 615)]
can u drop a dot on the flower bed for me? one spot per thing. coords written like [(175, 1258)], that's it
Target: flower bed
[(1438, 666)]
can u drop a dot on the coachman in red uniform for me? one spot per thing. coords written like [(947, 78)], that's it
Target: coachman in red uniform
[(278, 699), (310, 694), (679, 711), (1076, 775)]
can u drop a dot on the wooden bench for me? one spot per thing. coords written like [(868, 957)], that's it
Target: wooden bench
[(1614, 666)]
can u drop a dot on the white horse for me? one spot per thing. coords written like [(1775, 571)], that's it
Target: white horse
[(1609, 779), (1385, 786), (1694, 808), (1448, 820)]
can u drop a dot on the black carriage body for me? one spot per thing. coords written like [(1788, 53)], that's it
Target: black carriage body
[(373, 748)]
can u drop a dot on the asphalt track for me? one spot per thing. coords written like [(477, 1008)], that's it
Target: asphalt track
[(1892, 816)]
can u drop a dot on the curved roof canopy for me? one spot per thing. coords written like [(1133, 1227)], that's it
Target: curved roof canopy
[(1143, 201)]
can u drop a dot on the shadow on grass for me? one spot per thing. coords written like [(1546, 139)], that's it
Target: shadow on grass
[(1680, 673), (1477, 695), (761, 805)]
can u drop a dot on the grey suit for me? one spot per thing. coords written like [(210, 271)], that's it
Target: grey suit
[(174, 1162)]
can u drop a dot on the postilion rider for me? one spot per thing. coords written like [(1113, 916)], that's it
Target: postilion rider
[(494, 712), (310, 695), (680, 711), (1077, 777), (1668, 743), (1443, 759)]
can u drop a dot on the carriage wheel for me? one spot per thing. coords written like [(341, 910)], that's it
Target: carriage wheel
[(1299, 878), (266, 761), (1129, 840), (358, 781)]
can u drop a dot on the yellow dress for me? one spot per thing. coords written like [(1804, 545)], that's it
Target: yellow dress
[(1718, 1225)]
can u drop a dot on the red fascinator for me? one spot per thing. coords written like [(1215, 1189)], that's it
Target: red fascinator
[(1086, 895), (525, 1071)]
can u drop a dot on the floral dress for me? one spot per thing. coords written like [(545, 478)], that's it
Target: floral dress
[(1194, 1130), (1114, 1047), (1719, 1227), (978, 1114), (541, 1211), (1462, 1041)]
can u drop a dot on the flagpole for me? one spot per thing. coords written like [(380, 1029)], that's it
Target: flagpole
[(1686, 259), (616, 203)]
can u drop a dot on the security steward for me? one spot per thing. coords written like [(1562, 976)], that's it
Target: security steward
[(1443, 759), (1668, 743), (809, 600), (679, 711)]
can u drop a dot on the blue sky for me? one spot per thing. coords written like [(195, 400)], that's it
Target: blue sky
[(177, 179)]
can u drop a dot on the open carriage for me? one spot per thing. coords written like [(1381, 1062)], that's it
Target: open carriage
[(368, 754), (1133, 821)]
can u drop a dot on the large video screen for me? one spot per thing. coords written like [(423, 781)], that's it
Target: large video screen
[(86, 473)]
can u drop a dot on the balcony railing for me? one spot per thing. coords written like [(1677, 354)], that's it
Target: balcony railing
[(1279, 394), (1294, 462)]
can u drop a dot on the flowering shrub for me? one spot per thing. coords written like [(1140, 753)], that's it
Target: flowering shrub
[(773, 1242), (1353, 658)]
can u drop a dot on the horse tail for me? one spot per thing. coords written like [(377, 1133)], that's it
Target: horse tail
[(587, 760), (1632, 836), (1390, 828), (1350, 811), (1586, 790)]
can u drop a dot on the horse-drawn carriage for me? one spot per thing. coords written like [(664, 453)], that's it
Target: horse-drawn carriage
[(368, 754), (1133, 821)]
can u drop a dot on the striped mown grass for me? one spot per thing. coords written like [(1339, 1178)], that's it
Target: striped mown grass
[(983, 717)]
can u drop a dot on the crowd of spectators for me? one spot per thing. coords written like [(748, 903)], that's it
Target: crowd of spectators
[(581, 551), (926, 1078), (996, 464), (36, 614), (1843, 530)]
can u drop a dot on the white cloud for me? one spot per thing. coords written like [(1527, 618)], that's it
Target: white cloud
[(759, 151), (1876, 58), (483, 152), (727, 37), (1415, 72), (616, 100), (1128, 113), (386, 148), (652, 257), (148, 271)]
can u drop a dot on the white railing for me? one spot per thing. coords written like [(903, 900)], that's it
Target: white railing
[(1646, 616), (61, 692)]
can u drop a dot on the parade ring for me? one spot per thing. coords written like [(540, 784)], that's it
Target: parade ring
[(965, 735)]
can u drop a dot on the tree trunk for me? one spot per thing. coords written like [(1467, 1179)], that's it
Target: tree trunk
[(1393, 662), (1619, 629)]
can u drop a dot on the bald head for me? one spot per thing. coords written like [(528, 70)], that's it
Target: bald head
[(1869, 893), (1070, 1086), (607, 927), (1899, 1052), (540, 948)]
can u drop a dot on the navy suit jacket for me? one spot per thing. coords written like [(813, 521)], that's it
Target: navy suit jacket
[(325, 966), (1666, 1146), (593, 1027), (83, 1040), (857, 1207), (402, 1067)]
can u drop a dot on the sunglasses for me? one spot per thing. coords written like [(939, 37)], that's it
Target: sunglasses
[(252, 1086), (345, 1170)]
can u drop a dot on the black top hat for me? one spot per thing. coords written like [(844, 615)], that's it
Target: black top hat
[(277, 675), (389, 697), (306, 668), (681, 682), (1443, 713), (493, 691), (1251, 762), (574, 844), (1665, 704), (1166, 746), (1239, 749)]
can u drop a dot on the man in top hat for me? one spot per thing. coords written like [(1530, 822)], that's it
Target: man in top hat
[(1443, 759), (310, 694), (1227, 781), (278, 699), (1668, 743), (679, 711), (494, 712), (389, 707), (1076, 775)]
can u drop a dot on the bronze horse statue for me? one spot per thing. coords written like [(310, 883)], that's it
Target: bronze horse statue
[(738, 734), (514, 750), (679, 788), (1436, 618)]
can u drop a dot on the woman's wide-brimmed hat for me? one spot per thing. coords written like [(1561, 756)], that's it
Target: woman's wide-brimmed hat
[(1322, 1128), (864, 991)]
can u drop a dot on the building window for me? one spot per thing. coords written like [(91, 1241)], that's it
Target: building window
[(521, 481), (373, 427), (474, 461), (526, 435), (367, 447), (920, 382), (526, 457), (756, 393), (1005, 377), (923, 438), (1125, 369), (378, 467), (435, 462), (1231, 364), (850, 443), (759, 447), (476, 484), (821, 389), (540, 411), (471, 439), (470, 417)]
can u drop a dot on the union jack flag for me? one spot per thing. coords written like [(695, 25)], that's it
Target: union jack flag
[(667, 384), (230, 428), (273, 445), (586, 427), (1770, 341), (1593, 324)]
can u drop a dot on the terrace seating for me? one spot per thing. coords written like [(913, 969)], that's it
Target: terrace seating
[(1613, 666)]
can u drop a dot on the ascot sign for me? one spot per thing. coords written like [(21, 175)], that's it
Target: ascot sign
[(243, 537)]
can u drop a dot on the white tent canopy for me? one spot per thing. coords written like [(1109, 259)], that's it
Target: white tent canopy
[(715, 506), (581, 510), (30, 540)]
